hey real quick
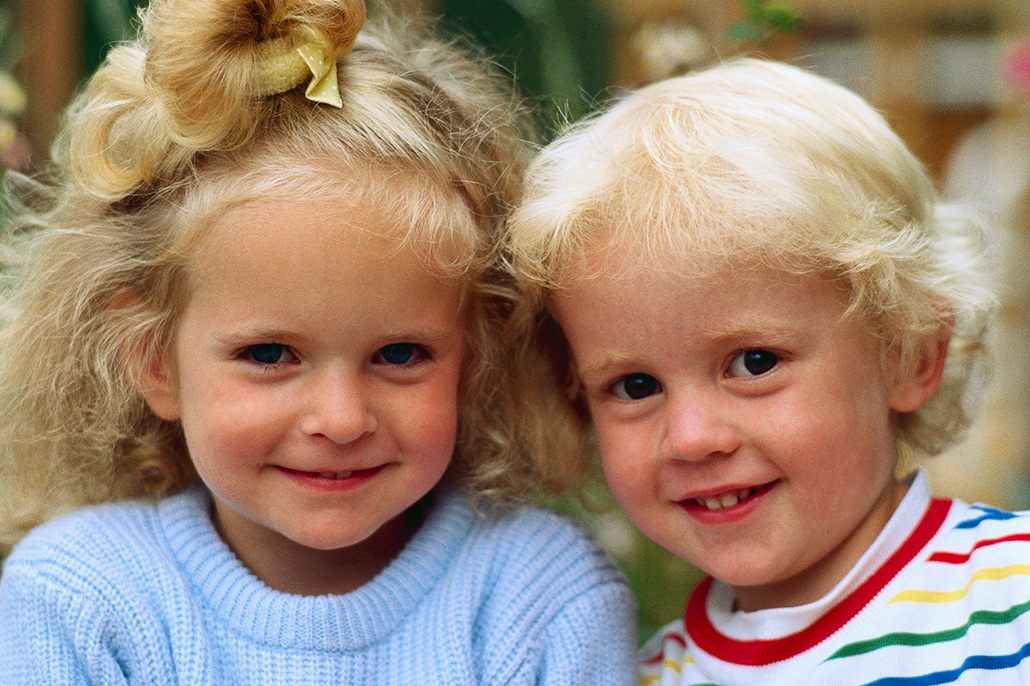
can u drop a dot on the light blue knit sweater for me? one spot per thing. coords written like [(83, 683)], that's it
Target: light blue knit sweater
[(149, 594)]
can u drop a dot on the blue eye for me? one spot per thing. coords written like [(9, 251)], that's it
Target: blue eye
[(268, 353), (636, 387), (753, 363), (400, 353)]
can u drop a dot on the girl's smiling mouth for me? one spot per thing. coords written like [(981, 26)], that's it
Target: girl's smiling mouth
[(333, 479), (335, 475)]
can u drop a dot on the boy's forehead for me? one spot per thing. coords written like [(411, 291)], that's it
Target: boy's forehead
[(622, 258)]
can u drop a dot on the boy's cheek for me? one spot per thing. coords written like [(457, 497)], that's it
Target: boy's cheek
[(627, 469)]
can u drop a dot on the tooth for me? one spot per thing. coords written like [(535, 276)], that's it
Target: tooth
[(713, 503), (728, 500), (744, 493)]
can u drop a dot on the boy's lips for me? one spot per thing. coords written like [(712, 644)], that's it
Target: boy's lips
[(724, 499)]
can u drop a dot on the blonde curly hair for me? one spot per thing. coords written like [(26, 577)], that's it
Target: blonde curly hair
[(760, 162), (171, 131)]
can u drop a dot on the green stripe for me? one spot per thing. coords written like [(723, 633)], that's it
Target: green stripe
[(913, 639)]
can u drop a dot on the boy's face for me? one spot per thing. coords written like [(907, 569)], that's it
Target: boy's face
[(744, 424)]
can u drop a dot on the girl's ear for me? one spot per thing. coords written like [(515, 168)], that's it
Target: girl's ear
[(156, 381), (147, 366), (916, 386)]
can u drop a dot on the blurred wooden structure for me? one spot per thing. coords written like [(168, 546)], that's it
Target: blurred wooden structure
[(930, 65), (50, 32)]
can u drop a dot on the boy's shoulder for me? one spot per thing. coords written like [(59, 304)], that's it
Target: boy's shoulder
[(981, 535)]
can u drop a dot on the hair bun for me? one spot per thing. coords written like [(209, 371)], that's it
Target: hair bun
[(208, 60)]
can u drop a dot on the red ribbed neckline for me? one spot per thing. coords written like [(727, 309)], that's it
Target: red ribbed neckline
[(767, 651)]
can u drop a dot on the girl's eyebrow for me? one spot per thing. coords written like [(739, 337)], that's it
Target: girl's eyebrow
[(250, 334)]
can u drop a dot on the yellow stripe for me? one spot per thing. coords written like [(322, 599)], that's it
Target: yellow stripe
[(990, 574), (667, 665)]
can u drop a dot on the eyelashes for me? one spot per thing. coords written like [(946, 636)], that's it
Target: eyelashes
[(269, 354), (635, 387), (753, 363), (275, 355), (401, 354), (745, 364)]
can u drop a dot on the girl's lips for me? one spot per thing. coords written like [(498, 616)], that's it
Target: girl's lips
[(332, 480)]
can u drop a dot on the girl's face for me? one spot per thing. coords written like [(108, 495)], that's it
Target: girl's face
[(315, 372), (744, 423)]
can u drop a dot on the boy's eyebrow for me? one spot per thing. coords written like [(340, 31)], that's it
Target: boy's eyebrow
[(771, 333), (746, 329), (608, 361)]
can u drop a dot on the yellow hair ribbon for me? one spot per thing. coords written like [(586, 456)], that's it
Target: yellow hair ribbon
[(284, 62)]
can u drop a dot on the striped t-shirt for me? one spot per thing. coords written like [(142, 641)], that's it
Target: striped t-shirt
[(941, 597)]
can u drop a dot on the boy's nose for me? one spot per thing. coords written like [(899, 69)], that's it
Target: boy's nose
[(696, 430), (339, 409)]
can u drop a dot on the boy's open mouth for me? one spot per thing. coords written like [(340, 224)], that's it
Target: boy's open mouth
[(730, 499)]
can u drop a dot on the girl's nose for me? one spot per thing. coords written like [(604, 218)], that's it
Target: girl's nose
[(698, 430), (340, 409)]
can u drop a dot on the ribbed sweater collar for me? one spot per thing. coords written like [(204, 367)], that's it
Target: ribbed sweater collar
[(336, 622)]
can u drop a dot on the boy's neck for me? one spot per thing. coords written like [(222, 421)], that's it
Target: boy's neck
[(819, 579)]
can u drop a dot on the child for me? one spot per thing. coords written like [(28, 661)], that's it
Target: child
[(765, 306), (264, 305)]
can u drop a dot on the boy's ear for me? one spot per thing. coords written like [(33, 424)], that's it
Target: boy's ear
[(914, 388), (148, 368)]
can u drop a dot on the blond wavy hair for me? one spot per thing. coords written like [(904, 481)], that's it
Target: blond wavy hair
[(755, 162), (169, 133)]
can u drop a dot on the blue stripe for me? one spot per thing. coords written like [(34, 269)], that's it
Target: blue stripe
[(989, 662), (988, 514)]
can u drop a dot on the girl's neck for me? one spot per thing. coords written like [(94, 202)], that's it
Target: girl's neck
[(289, 567)]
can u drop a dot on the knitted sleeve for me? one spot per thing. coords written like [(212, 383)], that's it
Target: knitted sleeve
[(560, 612), (68, 618), (588, 642), (49, 634)]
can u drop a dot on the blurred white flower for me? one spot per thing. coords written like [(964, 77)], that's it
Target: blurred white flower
[(13, 98)]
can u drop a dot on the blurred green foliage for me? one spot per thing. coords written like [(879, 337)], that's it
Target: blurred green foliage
[(762, 21), (558, 51), (105, 22)]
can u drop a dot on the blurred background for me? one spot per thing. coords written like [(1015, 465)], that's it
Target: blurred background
[(952, 76)]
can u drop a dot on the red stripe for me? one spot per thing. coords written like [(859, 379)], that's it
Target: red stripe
[(764, 652), (959, 558)]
